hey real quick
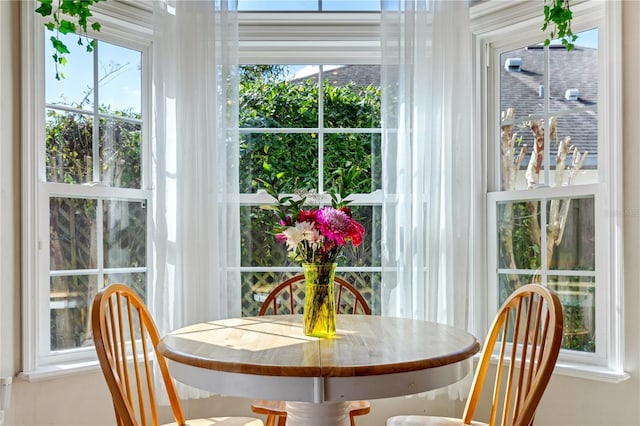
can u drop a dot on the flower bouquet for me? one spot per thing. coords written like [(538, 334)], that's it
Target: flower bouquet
[(315, 237)]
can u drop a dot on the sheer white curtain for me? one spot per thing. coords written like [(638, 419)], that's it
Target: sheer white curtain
[(196, 234), (429, 209)]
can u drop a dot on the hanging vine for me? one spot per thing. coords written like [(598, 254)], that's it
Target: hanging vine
[(557, 18), (64, 17)]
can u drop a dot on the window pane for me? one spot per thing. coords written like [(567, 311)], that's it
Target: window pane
[(571, 234), (352, 96), (362, 150), (294, 154), (519, 235), (125, 234), (569, 239), (274, 96), (72, 224), (120, 79), (70, 299), (120, 153), (76, 88), (577, 295), (69, 147)]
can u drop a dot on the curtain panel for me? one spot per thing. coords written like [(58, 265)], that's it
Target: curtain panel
[(196, 235), (429, 209)]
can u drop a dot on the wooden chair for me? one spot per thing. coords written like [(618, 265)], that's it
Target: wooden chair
[(117, 314), (288, 298), (528, 326)]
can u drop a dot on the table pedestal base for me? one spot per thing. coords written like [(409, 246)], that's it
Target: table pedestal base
[(310, 414)]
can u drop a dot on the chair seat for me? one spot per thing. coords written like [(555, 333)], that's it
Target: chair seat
[(427, 421), (221, 421)]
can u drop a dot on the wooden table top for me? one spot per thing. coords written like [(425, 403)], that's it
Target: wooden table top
[(364, 345)]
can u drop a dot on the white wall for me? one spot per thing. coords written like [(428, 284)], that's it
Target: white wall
[(83, 399), (9, 192)]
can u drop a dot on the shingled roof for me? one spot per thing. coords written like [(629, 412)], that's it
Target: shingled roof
[(359, 75), (522, 88)]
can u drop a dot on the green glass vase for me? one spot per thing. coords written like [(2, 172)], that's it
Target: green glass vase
[(319, 305)]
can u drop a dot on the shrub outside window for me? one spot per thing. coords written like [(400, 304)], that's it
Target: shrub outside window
[(312, 136)]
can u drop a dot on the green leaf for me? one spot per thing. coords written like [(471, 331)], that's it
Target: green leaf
[(45, 9), (96, 26), (59, 46), (67, 27)]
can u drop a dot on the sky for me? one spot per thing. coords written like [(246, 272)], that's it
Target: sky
[(118, 67)]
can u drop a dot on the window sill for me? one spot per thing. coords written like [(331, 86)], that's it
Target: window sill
[(59, 370), (584, 371), (591, 372)]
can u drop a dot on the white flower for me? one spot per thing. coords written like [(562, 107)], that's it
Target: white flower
[(302, 231), (295, 235)]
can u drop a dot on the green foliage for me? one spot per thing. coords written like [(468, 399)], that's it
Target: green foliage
[(285, 162), (69, 148), (58, 18), (73, 221), (266, 102), (558, 14)]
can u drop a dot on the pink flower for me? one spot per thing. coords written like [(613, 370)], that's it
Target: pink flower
[(338, 227), (317, 235)]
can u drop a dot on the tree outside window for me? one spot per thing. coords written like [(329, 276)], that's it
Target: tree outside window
[(96, 209), (545, 206)]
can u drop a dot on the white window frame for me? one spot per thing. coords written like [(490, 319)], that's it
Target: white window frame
[(498, 29), (126, 26), (274, 38)]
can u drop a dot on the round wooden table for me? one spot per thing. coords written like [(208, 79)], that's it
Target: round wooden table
[(269, 357)]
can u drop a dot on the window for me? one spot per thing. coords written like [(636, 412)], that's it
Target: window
[(87, 199), (308, 133), (318, 136), (552, 182)]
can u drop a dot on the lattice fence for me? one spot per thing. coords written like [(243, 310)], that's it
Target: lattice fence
[(257, 285)]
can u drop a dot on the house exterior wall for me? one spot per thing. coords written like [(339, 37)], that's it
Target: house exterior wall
[(83, 399)]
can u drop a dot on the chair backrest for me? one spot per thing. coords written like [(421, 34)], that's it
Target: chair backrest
[(288, 298), (117, 315), (527, 330)]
